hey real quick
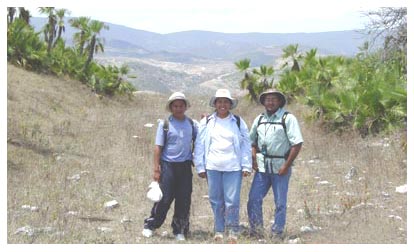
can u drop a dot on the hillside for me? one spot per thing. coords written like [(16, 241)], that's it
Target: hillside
[(70, 151)]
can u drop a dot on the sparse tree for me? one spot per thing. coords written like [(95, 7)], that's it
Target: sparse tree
[(80, 38), (95, 43), (60, 13), (24, 15), (49, 29), (389, 24), (291, 53), (11, 11)]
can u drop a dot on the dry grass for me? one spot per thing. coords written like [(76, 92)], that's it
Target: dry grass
[(69, 152)]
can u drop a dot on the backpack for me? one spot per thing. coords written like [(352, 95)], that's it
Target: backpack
[(283, 123), (237, 120), (166, 127)]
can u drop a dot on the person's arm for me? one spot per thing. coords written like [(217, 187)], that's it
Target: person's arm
[(199, 158), (294, 151), (254, 159), (157, 167), (245, 148)]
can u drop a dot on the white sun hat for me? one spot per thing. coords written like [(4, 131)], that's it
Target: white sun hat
[(176, 96), (223, 93)]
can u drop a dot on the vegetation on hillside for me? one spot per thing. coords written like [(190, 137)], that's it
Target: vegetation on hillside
[(367, 92), (49, 54)]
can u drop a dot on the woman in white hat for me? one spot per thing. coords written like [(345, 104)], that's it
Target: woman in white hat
[(172, 168), (222, 154)]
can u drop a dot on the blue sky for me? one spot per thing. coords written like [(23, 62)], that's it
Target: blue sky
[(232, 16)]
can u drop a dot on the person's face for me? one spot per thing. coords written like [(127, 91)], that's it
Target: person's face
[(178, 108), (272, 103), (222, 106)]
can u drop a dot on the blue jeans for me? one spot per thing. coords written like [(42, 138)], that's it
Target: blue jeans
[(259, 188), (224, 194)]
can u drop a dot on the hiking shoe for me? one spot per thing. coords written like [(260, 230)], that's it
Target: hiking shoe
[(278, 237), (147, 232), (179, 237), (218, 236)]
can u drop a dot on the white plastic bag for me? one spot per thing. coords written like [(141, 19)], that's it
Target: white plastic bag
[(154, 193)]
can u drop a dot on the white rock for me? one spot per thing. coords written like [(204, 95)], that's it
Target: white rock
[(75, 177), (104, 229), (126, 220), (395, 217), (401, 189), (148, 125), (27, 230), (323, 182), (71, 213), (309, 228), (294, 241), (111, 204)]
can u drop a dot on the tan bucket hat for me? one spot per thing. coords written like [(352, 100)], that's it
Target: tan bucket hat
[(176, 96), (223, 93), (272, 91)]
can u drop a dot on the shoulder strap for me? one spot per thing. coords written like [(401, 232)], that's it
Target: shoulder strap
[(258, 123), (237, 120), (283, 123), (192, 127), (166, 127)]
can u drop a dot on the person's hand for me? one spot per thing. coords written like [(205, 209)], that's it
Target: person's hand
[(202, 174), (156, 176), (283, 170)]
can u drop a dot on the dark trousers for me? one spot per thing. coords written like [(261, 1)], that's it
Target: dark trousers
[(176, 183)]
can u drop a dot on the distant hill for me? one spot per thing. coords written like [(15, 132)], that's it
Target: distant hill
[(201, 61), (121, 40)]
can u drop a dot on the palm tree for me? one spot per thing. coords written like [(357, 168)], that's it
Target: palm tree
[(60, 13), (80, 38), (24, 15), (249, 81), (10, 14), (291, 51), (95, 43), (49, 29), (264, 73)]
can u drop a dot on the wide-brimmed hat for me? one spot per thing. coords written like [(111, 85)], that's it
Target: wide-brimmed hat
[(176, 96), (272, 91), (223, 93)]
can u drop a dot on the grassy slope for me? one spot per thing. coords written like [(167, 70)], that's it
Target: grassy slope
[(58, 130)]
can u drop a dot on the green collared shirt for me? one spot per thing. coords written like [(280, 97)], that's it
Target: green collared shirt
[(274, 137)]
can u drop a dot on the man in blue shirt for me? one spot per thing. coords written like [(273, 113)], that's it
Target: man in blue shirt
[(276, 141), (172, 168)]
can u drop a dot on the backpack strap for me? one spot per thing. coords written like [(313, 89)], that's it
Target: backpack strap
[(236, 116), (283, 123), (166, 128)]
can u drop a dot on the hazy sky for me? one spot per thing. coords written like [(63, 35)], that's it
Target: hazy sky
[(233, 16)]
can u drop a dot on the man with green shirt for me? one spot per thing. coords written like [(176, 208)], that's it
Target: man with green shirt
[(276, 141)]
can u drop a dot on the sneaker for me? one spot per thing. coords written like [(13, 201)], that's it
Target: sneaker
[(233, 236), (218, 236), (179, 237), (147, 232)]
